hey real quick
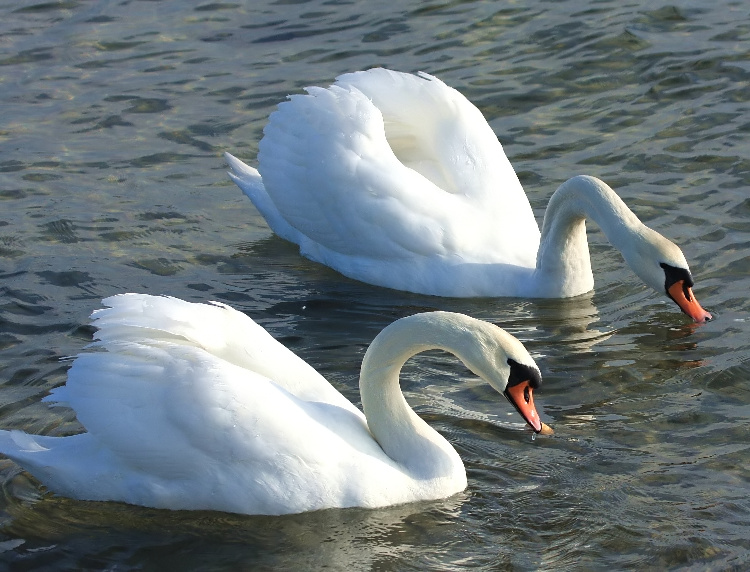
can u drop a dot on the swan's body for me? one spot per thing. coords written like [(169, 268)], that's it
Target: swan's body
[(195, 406), (397, 180)]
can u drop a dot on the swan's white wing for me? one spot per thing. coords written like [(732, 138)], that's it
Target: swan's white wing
[(220, 330), (157, 406), (327, 166), (333, 175), (172, 425), (435, 130)]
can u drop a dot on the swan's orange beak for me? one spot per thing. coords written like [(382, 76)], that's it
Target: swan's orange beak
[(521, 396), (683, 296)]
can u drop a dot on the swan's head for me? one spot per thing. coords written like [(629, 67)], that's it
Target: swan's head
[(660, 264), (511, 371), (522, 381), (488, 351)]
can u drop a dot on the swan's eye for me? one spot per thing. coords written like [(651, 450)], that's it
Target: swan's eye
[(526, 394), (672, 275), (520, 373)]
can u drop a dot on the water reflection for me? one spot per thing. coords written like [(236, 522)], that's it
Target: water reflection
[(348, 539)]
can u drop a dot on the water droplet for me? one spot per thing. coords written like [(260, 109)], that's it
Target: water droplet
[(533, 436)]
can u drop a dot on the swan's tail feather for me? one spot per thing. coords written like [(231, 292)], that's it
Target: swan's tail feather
[(35, 453), (68, 466), (251, 183), (14, 443), (20, 448)]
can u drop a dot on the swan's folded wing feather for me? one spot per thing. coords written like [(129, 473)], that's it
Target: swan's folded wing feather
[(328, 167), (437, 131), (175, 410), (220, 330), (334, 176)]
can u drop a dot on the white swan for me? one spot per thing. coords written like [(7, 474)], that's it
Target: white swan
[(195, 406), (397, 180)]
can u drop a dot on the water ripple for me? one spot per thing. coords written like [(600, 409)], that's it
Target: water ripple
[(111, 180)]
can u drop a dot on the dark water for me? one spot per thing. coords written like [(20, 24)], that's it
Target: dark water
[(114, 118)]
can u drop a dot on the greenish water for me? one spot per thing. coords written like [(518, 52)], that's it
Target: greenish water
[(114, 118)]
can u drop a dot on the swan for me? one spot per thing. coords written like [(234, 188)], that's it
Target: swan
[(196, 406), (397, 180)]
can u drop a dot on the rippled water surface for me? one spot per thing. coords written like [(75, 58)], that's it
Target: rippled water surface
[(114, 118)]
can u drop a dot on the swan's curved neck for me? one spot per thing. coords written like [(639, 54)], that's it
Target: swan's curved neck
[(563, 262), (401, 433)]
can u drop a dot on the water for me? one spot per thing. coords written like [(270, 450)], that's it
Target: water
[(114, 118)]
